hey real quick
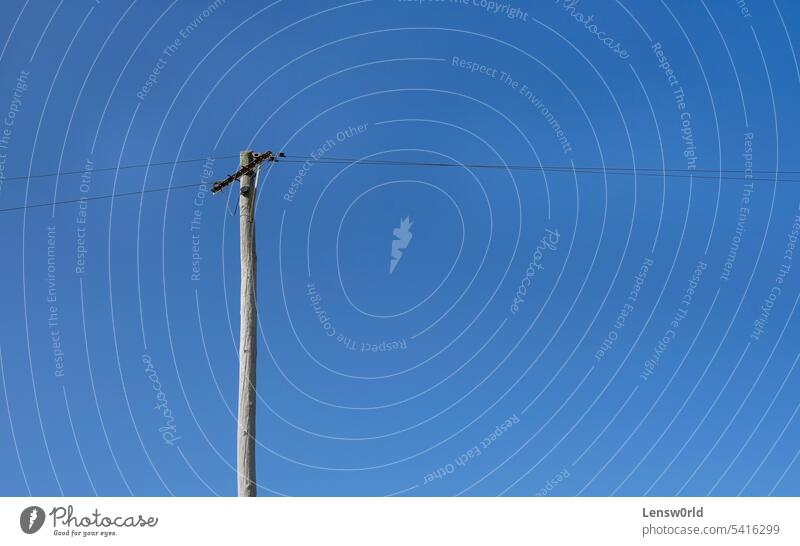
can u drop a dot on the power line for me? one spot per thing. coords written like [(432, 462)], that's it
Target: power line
[(567, 168), (625, 171), (120, 168), (667, 173), (97, 197), (674, 173)]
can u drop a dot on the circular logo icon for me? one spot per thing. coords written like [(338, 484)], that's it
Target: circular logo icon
[(31, 519)]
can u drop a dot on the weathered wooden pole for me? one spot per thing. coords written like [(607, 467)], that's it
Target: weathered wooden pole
[(246, 429)]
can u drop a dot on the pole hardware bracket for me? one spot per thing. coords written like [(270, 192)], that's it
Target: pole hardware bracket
[(258, 159)]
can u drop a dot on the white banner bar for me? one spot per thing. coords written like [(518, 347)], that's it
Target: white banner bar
[(401, 521)]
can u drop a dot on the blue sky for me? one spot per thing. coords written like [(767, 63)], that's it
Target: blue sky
[(543, 333)]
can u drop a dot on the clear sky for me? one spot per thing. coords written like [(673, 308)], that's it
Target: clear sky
[(423, 330)]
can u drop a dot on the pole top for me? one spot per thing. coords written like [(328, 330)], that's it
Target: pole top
[(249, 161)]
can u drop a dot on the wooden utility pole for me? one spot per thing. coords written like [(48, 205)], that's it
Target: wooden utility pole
[(246, 429), (248, 318)]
